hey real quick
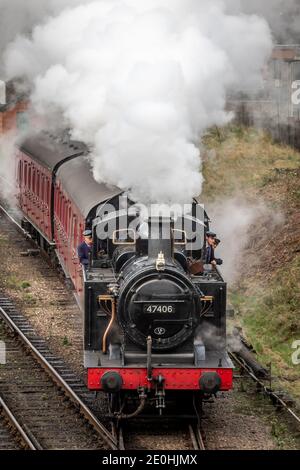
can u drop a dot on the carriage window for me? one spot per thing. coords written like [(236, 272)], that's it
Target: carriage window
[(65, 215), (25, 174), (42, 184), (29, 178), (48, 192), (58, 203), (55, 200), (61, 205), (33, 181), (74, 231), (47, 195), (80, 229), (62, 209), (19, 172), (69, 223), (38, 182)]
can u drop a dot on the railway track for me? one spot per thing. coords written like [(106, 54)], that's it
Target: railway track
[(12, 435), (40, 359), (180, 430), (189, 438), (142, 437), (47, 398), (197, 436), (275, 397), (160, 435)]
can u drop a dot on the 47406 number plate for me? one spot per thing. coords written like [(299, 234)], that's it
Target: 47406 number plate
[(159, 308)]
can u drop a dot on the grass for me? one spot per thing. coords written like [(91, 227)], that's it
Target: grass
[(242, 160), (279, 429), (266, 298), (270, 316), (3, 240), (66, 342), (30, 299), (22, 287), (12, 282)]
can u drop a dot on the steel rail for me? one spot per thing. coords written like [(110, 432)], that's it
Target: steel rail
[(196, 437), (14, 422), (265, 389), (14, 221), (99, 427)]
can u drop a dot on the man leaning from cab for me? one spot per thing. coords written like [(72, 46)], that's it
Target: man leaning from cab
[(85, 248)]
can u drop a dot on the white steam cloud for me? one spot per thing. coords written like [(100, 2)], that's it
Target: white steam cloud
[(239, 222), (283, 16), (20, 16), (140, 81), (7, 168)]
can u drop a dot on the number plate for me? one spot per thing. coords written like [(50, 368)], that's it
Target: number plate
[(159, 308)]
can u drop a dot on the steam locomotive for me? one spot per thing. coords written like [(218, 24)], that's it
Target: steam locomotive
[(154, 319)]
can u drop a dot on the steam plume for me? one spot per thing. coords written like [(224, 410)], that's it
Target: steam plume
[(236, 221), (140, 81), (283, 16)]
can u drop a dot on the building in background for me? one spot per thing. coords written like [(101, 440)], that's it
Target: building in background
[(276, 106), (14, 105)]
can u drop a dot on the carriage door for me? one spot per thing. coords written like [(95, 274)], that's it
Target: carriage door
[(73, 245)]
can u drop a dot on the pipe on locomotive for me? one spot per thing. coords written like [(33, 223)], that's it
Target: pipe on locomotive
[(112, 320)]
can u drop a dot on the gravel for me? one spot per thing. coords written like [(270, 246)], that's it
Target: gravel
[(236, 420)]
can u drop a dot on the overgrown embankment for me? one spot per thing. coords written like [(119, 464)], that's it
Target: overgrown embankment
[(240, 162)]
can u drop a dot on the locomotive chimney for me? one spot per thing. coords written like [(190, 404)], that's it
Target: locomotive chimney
[(160, 242)]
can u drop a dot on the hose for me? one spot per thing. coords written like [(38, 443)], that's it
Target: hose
[(136, 412), (113, 315)]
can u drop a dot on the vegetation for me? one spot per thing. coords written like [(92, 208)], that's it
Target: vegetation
[(66, 342), (240, 159), (13, 282), (267, 296), (270, 316)]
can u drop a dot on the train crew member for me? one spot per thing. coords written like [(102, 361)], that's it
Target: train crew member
[(217, 241), (210, 252), (85, 248)]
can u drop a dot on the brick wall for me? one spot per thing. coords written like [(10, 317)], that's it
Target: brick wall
[(8, 117)]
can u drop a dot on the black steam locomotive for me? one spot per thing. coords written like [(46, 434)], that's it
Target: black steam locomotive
[(154, 313)]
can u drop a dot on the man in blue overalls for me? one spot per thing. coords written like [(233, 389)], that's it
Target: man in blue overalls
[(85, 248), (210, 252), (212, 243)]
